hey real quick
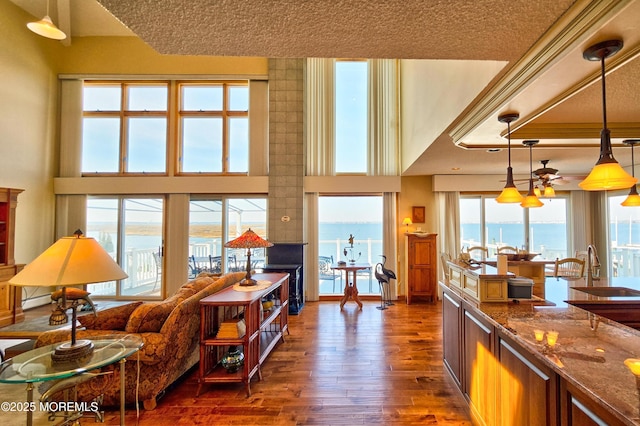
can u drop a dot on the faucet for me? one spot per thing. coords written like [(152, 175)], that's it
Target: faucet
[(592, 262)]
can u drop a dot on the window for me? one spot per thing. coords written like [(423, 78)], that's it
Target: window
[(214, 123), (351, 109), (124, 128), (484, 222), (130, 229), (364, 222), (207, 234), (624, 238)]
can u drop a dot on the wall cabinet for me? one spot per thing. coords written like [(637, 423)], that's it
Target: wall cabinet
[(10, 296), (264, 329), (421, 266)]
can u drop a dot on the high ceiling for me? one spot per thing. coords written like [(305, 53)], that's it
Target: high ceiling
[(545, 78)]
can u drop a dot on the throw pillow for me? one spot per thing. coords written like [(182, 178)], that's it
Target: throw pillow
[(109, 319), (149, 317)]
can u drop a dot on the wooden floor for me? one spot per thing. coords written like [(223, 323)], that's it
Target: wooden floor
[(336, 367)]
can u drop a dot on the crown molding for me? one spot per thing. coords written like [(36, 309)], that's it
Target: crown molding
[(573, 28)]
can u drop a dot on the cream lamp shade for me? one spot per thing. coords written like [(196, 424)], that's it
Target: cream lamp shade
[(407, 221), (70, 261), (46, 28)]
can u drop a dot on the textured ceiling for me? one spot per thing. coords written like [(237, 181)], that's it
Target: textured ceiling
[(495, 30), (442, 29)]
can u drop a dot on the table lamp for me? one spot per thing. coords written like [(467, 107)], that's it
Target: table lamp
[(248, 240), (70, 261), (406, 222)]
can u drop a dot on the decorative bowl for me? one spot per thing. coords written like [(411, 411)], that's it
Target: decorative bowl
[(521, 256)]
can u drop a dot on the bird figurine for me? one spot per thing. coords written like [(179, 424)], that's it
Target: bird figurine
[(390, 275), (382, 280)]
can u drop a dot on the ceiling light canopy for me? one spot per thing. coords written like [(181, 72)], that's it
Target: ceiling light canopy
[(607, 173), (510, 193), (46, 28), (633, 199), (531, 200)]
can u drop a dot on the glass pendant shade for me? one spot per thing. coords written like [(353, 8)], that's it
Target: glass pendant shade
[(549, 192), (607, 174), (633, 199), (531, 200), (510, 193), (536, 191)]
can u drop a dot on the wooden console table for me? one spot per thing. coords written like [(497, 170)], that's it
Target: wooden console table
[(351, 287), (264, 329)]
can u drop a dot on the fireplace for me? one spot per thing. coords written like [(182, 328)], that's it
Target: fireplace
[(289, 257)]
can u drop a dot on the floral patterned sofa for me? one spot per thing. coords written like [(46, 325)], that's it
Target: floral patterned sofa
[(169, 330)]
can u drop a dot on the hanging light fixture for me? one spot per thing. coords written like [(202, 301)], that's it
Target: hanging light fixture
[(46, 28), (549, 192), (607, 173), (531, 200), (510, 193), (633, 199)]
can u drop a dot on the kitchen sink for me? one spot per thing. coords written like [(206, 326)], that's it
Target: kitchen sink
[(609, 291)]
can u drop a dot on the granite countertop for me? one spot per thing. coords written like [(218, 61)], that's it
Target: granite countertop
[(591, 360)]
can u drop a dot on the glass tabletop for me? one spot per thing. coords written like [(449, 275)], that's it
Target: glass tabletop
[(36, 365)]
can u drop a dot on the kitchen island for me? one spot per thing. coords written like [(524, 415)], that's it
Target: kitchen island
[(510, 377)]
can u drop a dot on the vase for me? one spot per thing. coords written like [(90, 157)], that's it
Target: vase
[(233, 360)]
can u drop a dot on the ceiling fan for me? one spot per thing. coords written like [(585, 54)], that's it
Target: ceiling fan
[(549, 175)]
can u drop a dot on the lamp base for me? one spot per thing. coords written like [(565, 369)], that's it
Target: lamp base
[(68, 352), (248, 282)]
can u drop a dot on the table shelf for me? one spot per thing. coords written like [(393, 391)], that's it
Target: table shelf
[(264, 330)]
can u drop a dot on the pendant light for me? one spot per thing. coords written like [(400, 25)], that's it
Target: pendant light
[(510, 193), (607, 173), (531, 201), (633, 199), (46, 28)]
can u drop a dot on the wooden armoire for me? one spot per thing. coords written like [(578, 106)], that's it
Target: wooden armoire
[(10, 296), (421, 266)]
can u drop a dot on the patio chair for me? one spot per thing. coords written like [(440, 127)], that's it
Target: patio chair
[(325, 273)]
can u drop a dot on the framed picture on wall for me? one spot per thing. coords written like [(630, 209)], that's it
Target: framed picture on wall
[(417, 214)]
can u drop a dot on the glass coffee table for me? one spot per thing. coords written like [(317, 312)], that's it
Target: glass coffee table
[(36, 366)]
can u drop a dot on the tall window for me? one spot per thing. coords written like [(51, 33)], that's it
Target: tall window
[(483, 222), (351, 101), (214, 123), (130, 229), (338, 219), (624, 238), (213, 222), (124, 128)]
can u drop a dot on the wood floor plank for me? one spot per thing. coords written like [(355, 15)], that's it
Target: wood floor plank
[(336, 367)]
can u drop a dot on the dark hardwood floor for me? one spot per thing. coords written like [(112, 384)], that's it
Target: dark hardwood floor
[(336, 367)]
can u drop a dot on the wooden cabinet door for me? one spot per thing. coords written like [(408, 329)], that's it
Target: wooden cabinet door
[(422, 267), (580, 410), (452, 335), (527, 389), (479, 368)]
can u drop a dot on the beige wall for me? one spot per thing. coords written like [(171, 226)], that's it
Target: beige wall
[(28, 100), (415, 191)]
